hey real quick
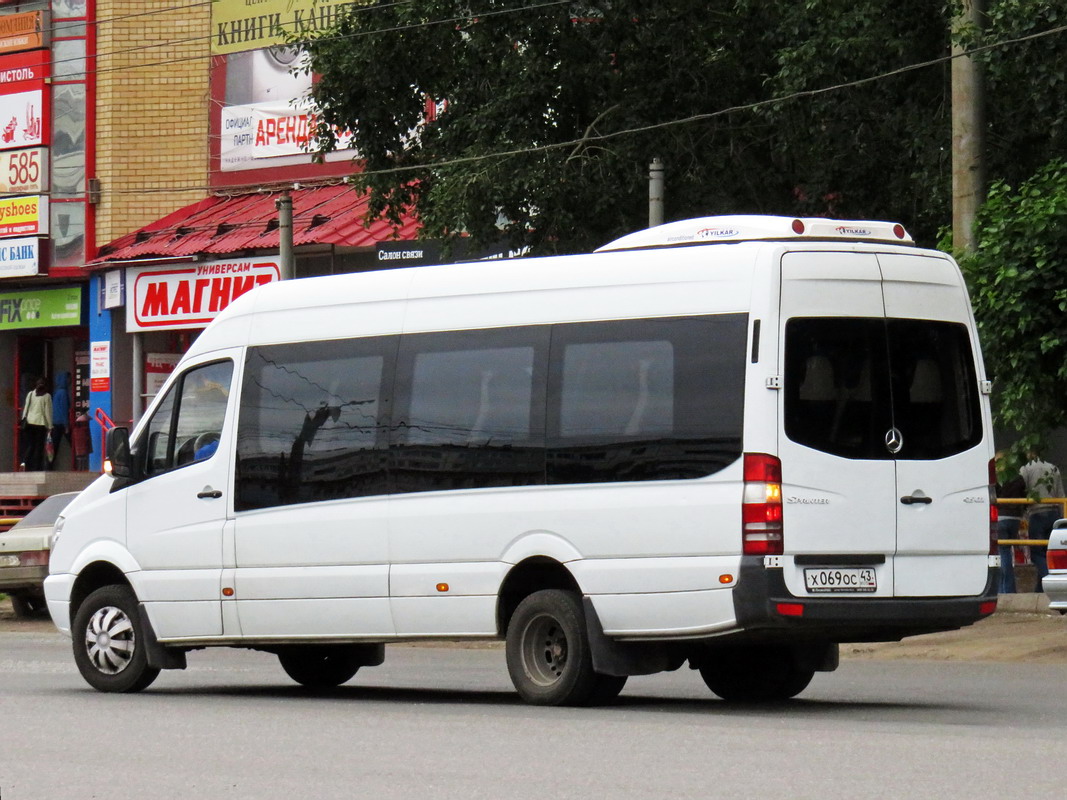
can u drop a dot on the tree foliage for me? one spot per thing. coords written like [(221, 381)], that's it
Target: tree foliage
[(1018, 281), (576, 95)]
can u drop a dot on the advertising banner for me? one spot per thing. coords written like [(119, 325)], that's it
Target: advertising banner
[(24, 171), (23, 121), (26, 31), (267, 130), (24, 216), (239, 25), (43, 308), (157, 368), (175, 298), (100, 366), (19, 258)]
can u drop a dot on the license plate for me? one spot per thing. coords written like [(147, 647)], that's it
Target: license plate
[(837, 579), (9, 561)]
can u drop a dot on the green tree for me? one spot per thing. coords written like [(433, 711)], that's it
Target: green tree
[(1018, 283), (547, 83)]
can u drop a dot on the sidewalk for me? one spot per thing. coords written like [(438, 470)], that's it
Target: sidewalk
[(1026, 603)]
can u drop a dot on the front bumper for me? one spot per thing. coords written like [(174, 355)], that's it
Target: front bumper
[(761, 598)]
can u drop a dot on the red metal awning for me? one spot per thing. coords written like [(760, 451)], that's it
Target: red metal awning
[(218, 225)]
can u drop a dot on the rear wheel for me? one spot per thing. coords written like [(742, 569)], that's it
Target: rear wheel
[(548, 653), (756, 675), (320, 667), (109, 642)]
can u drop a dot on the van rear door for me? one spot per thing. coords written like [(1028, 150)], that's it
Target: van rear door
[(883, 480)]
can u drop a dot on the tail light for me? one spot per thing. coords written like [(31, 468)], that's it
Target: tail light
[(994, 514), (33, 558), (761, 508), (1056, 558)]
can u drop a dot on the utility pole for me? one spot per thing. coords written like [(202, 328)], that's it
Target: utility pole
[(968, 122), (284, 204), (655, 193)]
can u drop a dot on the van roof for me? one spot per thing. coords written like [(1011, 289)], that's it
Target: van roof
[(741, 228)]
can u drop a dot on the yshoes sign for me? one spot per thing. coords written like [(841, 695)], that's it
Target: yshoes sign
[(19, 257), (190, 297), (24, 216)]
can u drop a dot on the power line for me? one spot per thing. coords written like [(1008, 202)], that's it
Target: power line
[(668, 123)]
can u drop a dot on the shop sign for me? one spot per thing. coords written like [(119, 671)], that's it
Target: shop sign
[(44, 308), (24, 171), (238, 25), (19, 257), (24, 216), (26, 31), (190, 297), (100, 366), (408, 254), (22, 99)]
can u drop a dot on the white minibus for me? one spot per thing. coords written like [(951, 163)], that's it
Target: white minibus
[(730, 443)]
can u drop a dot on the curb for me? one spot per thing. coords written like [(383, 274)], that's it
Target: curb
[(1025, 603)]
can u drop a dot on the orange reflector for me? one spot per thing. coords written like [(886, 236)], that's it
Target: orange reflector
[(442, 587), (791, 609), (227, 592), (725, 579), (987, 608)]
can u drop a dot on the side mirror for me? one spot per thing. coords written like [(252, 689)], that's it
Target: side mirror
[(119, 462)]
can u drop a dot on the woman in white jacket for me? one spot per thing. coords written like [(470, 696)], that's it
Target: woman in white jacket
[(37, 419)]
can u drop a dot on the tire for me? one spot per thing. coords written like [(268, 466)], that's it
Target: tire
[(322, 667), (109, 642), (548, 653), (756, 675), (27, 606)]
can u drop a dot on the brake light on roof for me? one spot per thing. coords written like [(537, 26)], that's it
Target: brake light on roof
[(761, 506)]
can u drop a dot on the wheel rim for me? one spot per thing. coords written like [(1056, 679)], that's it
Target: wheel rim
[(544, 650), (110, 640)]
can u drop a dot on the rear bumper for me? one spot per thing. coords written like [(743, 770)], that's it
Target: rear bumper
[(1055, 586), (760, 591), (13, 579)]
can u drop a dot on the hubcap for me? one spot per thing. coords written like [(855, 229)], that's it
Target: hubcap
[(110, 640), (544, 650)]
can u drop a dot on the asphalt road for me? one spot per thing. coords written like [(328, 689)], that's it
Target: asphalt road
[(443, 722)]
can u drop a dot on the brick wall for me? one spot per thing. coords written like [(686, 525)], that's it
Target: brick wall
[(152, 100)]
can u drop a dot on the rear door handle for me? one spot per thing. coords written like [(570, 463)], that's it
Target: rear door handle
[(910, 499), (209, 494)]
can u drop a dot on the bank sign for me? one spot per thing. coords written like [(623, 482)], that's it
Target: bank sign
[(176, 298), (44, 308), (19, 258)]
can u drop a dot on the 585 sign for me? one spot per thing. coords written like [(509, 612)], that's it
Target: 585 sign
[(24, 171)]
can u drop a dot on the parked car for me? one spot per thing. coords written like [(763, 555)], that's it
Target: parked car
[(24, 553), (1055, 583)]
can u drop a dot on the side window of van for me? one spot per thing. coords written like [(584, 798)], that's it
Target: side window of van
[(657, 399), (187, 424), (470, 410), (313, 422)]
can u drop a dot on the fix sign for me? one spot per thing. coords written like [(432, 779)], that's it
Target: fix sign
[(190, 297)]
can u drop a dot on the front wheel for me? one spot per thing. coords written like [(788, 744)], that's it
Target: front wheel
[(548, 653), (109, 642), (320, 667), (756, 675)]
